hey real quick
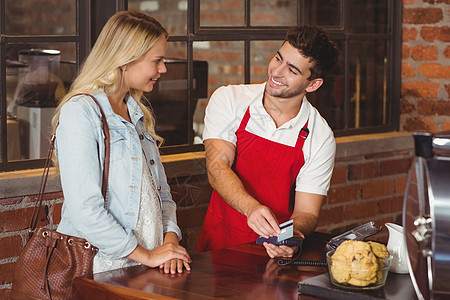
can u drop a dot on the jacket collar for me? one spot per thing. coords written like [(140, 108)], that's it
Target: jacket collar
[(133, 108)]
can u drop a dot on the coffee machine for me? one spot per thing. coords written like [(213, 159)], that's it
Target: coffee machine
[(35, 99), (426, 216)]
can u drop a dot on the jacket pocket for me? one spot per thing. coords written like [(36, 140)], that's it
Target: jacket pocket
[(118, 143)]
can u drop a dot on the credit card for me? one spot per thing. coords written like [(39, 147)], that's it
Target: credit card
[(284, 238), (287, 230)]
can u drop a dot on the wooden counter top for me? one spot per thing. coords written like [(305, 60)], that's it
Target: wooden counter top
[(239, 272)]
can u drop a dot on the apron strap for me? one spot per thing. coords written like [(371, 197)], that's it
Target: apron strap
[(244, 120), (302, 135)]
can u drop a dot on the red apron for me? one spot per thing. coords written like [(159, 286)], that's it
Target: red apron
[(268, 171)]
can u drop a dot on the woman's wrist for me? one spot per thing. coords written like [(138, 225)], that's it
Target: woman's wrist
[(171, 237), (139, 254)]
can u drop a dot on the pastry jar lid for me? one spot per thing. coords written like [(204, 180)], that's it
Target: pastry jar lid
[(426, 215)]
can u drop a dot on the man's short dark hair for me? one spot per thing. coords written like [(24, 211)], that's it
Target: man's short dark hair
[(314, 43)]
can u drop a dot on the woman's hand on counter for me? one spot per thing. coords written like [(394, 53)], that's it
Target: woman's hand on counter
[(170, 256), (174, 265)]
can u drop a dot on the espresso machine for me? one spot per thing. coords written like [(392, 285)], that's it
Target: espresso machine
[(426, 216), (35, 99)]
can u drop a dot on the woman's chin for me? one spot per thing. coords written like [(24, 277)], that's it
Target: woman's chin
[(148, 89)]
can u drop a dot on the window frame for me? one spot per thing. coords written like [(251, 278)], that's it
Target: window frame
[(92, 15), (248, 33), (82, 40)]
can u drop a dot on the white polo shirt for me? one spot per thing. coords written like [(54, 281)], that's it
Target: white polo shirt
[(227, 107)]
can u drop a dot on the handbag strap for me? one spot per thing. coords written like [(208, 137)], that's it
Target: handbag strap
[(37, 209)]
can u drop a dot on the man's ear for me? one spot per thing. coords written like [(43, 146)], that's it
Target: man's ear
[(314, 85)]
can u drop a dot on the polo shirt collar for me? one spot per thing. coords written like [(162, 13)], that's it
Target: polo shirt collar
[(258, 112)]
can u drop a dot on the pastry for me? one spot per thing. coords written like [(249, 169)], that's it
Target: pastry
[(358, 263)]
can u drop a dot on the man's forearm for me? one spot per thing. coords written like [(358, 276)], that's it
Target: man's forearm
[(306, 211), (305, 223), (219, 159), (228, 185)]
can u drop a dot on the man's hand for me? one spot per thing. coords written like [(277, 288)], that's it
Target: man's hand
[(279, 251), (275, 251), (262, 221)]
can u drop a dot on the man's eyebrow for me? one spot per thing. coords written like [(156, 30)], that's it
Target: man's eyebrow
[(289, 64)]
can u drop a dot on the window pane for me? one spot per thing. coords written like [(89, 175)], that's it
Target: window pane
[(273, 13), (225, 66), (176, 50), (329, 98), (172, 14), (170, 103), (169, 98), (39, 17), (367, 81), (222, 13), (322, 12), (261, 53), (370, 16), (38, 75)]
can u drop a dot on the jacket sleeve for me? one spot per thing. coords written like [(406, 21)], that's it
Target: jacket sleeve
[(80, 158)]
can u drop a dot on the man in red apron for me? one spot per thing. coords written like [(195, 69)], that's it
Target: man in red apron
[(269, 153)]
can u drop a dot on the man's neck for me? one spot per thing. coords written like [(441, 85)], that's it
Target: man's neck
[(282, 109)]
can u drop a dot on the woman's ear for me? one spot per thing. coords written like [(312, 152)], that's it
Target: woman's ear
[(314, 85)]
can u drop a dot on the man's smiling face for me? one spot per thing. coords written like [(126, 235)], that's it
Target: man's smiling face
[(288, 73)]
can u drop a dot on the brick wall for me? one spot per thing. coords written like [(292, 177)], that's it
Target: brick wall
[(367, 185), (425, 92)]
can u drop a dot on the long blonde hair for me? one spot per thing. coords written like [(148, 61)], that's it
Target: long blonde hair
[(125, 37)]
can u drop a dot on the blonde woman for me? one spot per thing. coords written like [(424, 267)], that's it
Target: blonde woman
[(138, 223)]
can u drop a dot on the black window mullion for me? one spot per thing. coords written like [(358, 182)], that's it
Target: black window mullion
[(299, 12), (247, 24), (256, 32), (193, 10), (396, 62), (345, 16), (3, 17), (190, 78), (193, 16), (247, 20), (3, 121), (42, 39), (346, 86), (247, 61), (3, 131), (83, 25)]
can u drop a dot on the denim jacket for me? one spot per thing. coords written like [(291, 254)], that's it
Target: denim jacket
[(80, 151)]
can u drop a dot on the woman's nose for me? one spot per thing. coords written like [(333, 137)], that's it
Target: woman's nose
[(162, 68)]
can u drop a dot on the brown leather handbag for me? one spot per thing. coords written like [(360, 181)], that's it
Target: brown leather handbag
[(51, 260)]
